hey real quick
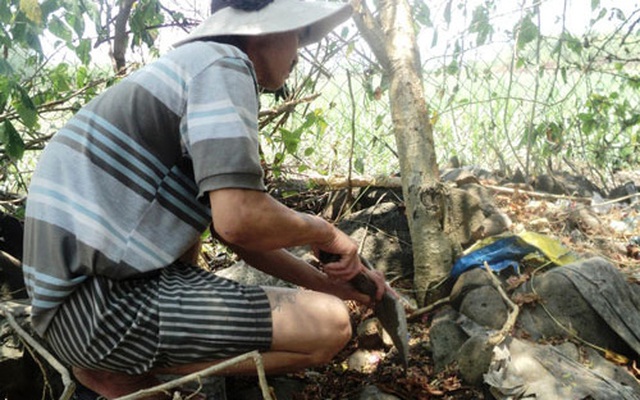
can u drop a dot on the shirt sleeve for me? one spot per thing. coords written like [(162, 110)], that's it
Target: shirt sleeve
[(220, 126)]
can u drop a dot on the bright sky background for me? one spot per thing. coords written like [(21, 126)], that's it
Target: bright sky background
[(508, 12)]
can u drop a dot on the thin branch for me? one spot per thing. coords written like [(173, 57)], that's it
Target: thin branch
[(46, 106), (69, 385), (372, 32), (196, 376), (121, 38), (287, 106), (514, 310), (420, 311), (353, 129)]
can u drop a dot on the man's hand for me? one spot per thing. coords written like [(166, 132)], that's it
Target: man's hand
[(333, 266), (346, 291), (339, 256)]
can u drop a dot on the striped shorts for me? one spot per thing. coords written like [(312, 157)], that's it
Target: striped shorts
[(181, 315)]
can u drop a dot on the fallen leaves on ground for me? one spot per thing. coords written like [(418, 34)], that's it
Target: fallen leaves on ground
[(606, 232)]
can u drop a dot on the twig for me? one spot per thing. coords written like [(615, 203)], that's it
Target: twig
[(428, 308), (501, 189), (287, 106), (572, 333), (255, 355), (69, 385), (14, 201), (499, 336), (617, 200)]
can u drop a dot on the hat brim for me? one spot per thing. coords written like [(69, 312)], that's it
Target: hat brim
[(314, 19)]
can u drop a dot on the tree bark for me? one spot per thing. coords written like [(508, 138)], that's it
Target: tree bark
[(425, 198)]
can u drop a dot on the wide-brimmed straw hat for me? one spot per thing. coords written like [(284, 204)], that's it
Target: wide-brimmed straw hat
[(315, 19)]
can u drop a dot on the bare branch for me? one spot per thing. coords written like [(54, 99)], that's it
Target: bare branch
[(6, 309), (371, 31), (196, 376), (121, 38)]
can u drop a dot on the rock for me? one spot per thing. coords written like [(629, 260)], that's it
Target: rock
[(474, 358), (609, 370), (562, 183), (585, 219), (485, 306), (459, 176), (371, 335), (371, 392), (468, 281), (525, 370), (364, 360), (550, 184), (568, 307), (495, 224), (445, 337), (388, 247), (629, 188), (465, 217), (467, 173)]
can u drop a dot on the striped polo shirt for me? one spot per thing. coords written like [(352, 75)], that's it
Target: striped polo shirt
[(121, 190)]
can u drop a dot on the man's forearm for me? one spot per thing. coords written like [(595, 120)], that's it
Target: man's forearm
[(284, 265), (255, 221)]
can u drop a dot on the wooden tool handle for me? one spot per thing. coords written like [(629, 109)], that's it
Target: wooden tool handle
[(361, 282)]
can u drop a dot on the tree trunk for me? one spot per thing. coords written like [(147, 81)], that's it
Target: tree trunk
[(425, 198)]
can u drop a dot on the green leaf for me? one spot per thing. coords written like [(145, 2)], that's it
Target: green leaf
[(60, 29), (573, 43), (10, 138), (358, 165), (48, 7), (60, 77), (25, 107), (480, 24), (5, 68), (291, 140), (453, 67), (595, 4), (527, 32), (76, 20), (83, 51), (6, 15), (447, 12), (32, 10), (5, 89), (423, 14), (601, 14)]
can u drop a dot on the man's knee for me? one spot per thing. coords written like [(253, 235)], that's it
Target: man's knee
[(337, 331)]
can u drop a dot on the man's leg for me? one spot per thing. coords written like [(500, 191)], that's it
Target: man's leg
[(309, 328)]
